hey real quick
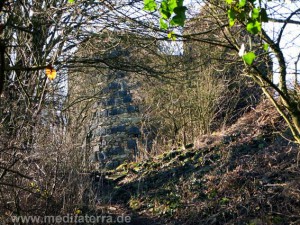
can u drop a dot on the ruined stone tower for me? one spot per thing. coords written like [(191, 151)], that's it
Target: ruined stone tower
[(105, 99), (115, 124)]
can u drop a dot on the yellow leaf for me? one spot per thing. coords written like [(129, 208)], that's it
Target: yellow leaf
[(171, 35), (77, 211), (50, 72)]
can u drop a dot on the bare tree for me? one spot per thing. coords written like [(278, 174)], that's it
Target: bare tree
[(35, 158)]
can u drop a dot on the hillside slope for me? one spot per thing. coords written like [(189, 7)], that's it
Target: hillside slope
[(248, 174)]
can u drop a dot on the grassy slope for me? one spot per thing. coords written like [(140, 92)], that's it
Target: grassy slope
[(246, 175)]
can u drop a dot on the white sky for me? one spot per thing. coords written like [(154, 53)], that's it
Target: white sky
[(290, 42)]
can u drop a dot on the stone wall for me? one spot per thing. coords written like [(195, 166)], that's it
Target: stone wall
[(115, 124)]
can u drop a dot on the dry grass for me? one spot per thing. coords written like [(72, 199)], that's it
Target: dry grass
[(246, 174)]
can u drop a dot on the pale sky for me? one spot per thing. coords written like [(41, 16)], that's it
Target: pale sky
[(290, 42)]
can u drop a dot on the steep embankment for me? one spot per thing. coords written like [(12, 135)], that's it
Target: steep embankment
[(248, 174)]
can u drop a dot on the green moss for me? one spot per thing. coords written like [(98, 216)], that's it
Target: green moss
[(224, 201), (277, 219), (135, 203)]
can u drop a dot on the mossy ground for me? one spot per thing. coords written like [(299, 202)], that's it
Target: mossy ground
[(247, 174)]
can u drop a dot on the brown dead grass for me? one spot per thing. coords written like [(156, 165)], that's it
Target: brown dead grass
[(246, 174)]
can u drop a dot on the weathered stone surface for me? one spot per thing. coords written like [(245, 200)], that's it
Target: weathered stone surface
[(131, 144), (114, 85), (121, 93), (127, 99), (110, 101), (115, 151), (134, 131), (120, 74), (117, 129), (132, 109), (115, 123)]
